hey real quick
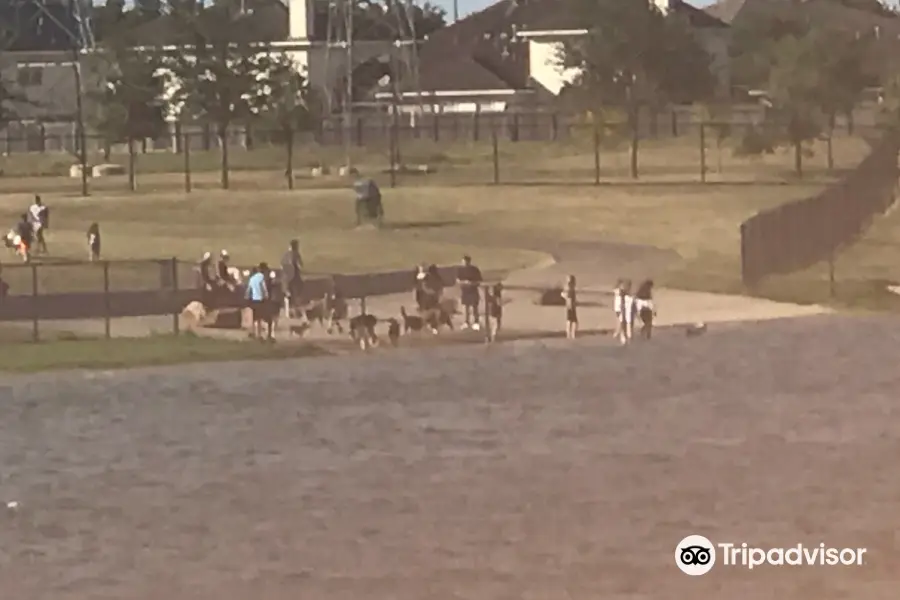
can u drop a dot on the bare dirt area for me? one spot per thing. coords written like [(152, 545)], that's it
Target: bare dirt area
[(535, 469)]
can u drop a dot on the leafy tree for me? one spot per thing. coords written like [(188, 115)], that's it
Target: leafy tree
[(216, 76), (385, 19), (285, 101), (635, 57)]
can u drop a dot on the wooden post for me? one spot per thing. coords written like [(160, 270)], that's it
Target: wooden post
[(289, 169), (392, 138), (132, 178), (362, 305), (487, 314), (496, 153), (176, 325), (702, 152), (35, 312), (596, 154), (187, 162), (832, 292), (107, 309)]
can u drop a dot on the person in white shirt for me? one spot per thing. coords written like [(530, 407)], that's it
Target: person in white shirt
[(39, 216), (626, 317)]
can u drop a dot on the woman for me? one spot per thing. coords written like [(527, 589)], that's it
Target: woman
[(93, 242), (644, 308)]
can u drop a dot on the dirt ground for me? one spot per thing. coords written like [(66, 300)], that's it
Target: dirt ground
[(528, 470)]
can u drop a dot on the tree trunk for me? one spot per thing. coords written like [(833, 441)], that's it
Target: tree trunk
[(832, 120), (635, 141), (798, 158), (223, 140), (289, 169), (132, 179), (107, 150)]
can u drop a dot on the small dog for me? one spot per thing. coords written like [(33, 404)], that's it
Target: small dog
[(315, 311), (411, 322), (362, 330), (393, 331)]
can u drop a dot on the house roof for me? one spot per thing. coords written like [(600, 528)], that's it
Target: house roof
[(830, 13), (483, 52)]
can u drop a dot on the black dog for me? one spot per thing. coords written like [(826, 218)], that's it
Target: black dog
[(393, 331), (362, 330)]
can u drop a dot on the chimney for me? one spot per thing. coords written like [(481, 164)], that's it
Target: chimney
[(300, 15)]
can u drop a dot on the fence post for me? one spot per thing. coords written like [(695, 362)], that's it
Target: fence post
[(362, 305), (35, 312), (107, 309), (496, 153), (289, 169), (476, 129), (596, 153), (554, 127), (392, 138), (176, 325), (132, 179), (187, 162), (702, 152), (515, 128), (487, 312), (435, 126)]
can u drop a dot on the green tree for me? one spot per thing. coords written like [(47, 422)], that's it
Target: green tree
[(285, 101), (215, 76), (635, 58)]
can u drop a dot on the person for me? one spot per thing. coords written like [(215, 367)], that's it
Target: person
[(433, 288), (39, 215), (226, 279), (208, 281), (93, 242), (4, 287), (469, 283), (644, 308), (570, 297), (494, 302), (258, 296), (25, 231), (292, 277), (626, 319), (617, 307), (420, 287)]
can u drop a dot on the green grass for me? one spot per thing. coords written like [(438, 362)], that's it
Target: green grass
[(122, 353), (471, 163)]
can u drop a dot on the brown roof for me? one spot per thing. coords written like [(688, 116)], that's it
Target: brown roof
[(482, 51)]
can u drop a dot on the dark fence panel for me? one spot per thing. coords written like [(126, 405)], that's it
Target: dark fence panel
[(799, 234)]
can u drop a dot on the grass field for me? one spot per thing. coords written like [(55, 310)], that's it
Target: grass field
[(503, 228), (69, 352), (471, 163)]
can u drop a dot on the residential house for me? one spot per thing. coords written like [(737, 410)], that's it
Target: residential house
[(505, 57)]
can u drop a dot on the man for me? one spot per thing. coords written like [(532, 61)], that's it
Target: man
[(25, 231), (469, 283), (258, 297), (39, 215), (226, 279), (291, 277)]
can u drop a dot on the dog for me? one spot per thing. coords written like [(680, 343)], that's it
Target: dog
[(695, 330), (437, 318), (410, 322), (393, 331), (362, 330), (316, 311)]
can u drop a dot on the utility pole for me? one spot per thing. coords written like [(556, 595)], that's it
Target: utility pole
[(348, 95), (455, 11)]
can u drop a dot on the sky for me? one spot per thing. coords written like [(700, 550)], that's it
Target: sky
[(470, 6)]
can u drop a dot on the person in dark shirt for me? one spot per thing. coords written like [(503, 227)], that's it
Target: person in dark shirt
[(25, 231), (292, 277), (494, 302), (470, 279), (93, 242), (223, 267)]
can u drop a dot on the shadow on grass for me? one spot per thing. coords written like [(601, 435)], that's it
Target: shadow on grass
[(421, 225)]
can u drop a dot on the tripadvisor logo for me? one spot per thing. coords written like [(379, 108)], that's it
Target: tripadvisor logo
[(696, 555)]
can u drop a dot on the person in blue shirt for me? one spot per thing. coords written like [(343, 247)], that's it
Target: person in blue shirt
[(258, 295)]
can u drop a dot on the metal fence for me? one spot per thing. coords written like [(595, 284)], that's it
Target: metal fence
[(134, 298), (799, 234)]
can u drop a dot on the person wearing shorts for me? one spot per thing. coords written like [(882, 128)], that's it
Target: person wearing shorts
[(470, 279), (570, 297), (258, 297), (292, 278)]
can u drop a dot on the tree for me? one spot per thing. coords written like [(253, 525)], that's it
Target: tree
[(384, 20), (635, 57), (285, 101), (215, 77)]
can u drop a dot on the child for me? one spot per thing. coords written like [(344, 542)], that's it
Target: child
[(93, 242), (493, 298), (571, 308), (626, 319), (617, 307)]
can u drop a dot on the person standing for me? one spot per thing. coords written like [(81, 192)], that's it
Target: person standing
[(258, 297), (470, 279), (93, 242), (571, 299), (223, 268), (208, 281), (292, 277), (39, 215)]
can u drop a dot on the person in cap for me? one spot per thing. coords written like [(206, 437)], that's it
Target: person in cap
[(292, 277)]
